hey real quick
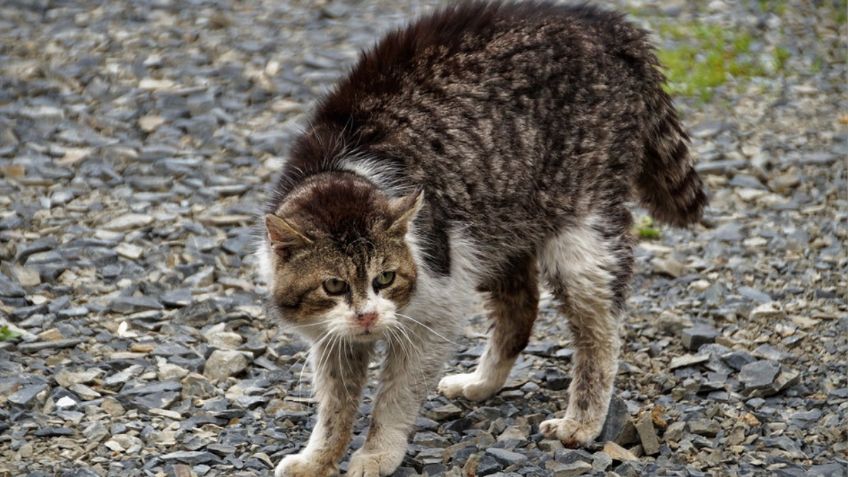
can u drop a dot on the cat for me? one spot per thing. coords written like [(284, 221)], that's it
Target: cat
[(481, 149)]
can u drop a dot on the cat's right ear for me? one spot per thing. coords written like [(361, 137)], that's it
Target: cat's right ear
[(404, 209), (283, 235)]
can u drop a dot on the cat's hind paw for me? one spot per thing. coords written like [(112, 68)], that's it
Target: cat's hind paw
[(299, 465), (570, 432), (470, 386)]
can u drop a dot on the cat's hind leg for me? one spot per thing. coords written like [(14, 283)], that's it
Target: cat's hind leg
[(513, 304), (588, 267)]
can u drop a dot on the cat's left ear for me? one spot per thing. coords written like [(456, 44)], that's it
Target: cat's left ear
[(403, 210), (283, 235)]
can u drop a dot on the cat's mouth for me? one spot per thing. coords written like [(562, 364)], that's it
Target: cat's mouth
[(367, 335)]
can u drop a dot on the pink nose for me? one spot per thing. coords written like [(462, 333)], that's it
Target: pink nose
[(366, 319)]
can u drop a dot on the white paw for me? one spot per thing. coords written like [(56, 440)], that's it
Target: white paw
[(375, 464), (469, 386), (300, 465), (571, 432)]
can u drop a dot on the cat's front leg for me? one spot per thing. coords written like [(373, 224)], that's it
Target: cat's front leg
[(340, 373), (409, 373)]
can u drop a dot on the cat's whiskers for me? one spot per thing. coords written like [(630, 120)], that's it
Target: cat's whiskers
[(320, 323), (427, 328), (408, 352), (309, 354), (302, 367), (326, 360), (396, 343), (402, 332), (350, 349), (325, 353), (342, 341)]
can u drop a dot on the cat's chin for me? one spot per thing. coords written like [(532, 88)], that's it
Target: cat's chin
[(369, 337)]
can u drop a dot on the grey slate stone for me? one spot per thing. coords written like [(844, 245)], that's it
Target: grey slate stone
[(695, 337), (758, 375), (26, 394), (506, 457)]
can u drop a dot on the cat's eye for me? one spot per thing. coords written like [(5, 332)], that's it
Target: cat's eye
[(334, 286), (383, 280)]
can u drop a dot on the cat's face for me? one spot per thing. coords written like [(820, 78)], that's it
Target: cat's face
[(339, 261)]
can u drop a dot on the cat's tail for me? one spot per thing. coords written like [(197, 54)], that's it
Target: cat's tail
[(668, 184)]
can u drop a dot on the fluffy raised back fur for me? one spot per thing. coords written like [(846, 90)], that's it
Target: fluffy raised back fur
[(509, 138)]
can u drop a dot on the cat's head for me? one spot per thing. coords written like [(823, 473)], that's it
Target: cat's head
[(336, 257)]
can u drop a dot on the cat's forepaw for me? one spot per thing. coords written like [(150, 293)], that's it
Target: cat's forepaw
[(374, 464), (300, 465), (570, 432), (470, 386)]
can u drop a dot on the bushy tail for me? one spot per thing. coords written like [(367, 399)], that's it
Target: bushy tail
[(667, 184)]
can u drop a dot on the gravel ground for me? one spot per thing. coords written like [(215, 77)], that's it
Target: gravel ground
[(137, 138)]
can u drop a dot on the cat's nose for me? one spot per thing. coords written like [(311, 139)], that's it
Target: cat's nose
[(366, 319)]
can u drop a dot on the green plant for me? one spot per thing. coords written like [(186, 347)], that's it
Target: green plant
[(704, 57), (778, 7), (645, 230), (7, 334), (781, 56)]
